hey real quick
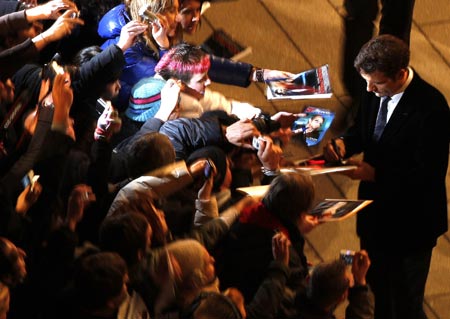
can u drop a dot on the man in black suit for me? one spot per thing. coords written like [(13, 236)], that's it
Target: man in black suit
[(403, 170)]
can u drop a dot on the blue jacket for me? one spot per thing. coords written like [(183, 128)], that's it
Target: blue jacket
[(140, 61)]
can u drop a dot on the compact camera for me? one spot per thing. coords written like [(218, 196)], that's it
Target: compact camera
[(265, 124), (347, 256)]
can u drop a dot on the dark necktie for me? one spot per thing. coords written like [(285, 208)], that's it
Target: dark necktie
[(381, 119)]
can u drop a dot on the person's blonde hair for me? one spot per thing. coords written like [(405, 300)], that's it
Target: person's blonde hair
[(155, 6)]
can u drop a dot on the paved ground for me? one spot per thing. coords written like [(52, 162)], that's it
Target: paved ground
[(296, 35)]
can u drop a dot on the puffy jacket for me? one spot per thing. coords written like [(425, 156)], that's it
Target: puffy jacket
[(140, 61)]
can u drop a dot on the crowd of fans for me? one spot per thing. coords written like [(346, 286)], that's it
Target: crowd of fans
[(119, 169)]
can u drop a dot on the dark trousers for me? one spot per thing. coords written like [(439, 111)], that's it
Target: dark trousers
[(398, 283), (396, 19)]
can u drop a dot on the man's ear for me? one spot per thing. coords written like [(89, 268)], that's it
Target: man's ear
[(402, 74)]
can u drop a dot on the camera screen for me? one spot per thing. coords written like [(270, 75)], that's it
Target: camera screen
[(347, 256)]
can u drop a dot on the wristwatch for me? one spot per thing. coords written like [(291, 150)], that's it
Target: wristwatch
[(259, 75)]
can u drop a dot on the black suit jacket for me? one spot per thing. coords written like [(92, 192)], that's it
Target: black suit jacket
[(410, 160)]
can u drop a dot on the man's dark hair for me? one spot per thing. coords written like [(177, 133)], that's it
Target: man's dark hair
[(99, 278), (212, 305), (149, 152), (86, 54), (290, 195), (385, 53), (327, 283), (125, 234)]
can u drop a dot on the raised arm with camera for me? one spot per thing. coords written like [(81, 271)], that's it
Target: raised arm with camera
[(62, 27)]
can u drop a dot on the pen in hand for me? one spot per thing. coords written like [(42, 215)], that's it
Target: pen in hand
[(337, 150)]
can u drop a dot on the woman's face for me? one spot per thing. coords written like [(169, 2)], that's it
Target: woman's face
[(171, 15), (189, 15)]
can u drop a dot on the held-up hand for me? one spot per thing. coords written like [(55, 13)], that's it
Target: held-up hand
[(62, 27), (160, 31), (170, 106), (280, 248), (198, 167), (269, 154), (206, 190), (334, 150), (360, 266), (62, 97), (28, 197), (307, 222), (241, 133), (80, 198), (108, 123), (50, 10), (129, 33), (286, 119)]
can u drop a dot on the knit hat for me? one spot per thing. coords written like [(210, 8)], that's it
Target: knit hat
[(189, 254), (219, 158), (145, 99)]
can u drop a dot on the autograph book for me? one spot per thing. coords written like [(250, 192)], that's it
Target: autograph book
[(331, 210), (310, 84)]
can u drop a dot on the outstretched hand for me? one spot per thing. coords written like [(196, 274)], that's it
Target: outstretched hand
[(241, 133), (276, 74), (280, 248), (62, 27)]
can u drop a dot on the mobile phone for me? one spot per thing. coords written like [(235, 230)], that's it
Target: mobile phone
[(347, 256), (148, 16), (190, 91), (100, 106), (256, 142), (51, 69), (75, 15), (29, 179), (209, 168)]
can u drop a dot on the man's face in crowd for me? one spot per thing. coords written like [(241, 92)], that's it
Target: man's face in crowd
[(382, 85), (199, 82)]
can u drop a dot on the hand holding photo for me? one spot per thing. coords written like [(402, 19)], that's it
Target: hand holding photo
[(310, 84)]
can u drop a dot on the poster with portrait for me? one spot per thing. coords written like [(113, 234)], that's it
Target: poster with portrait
[(311, 128)]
